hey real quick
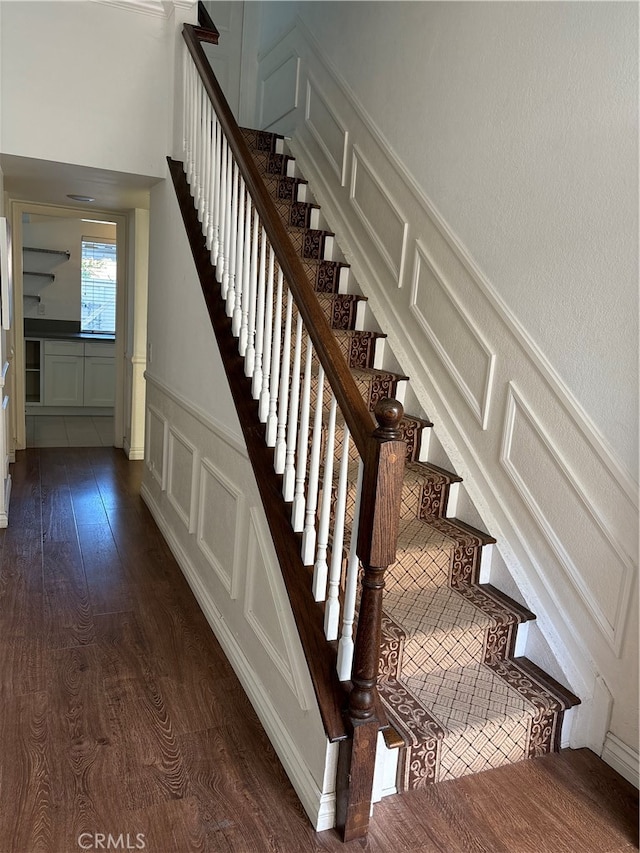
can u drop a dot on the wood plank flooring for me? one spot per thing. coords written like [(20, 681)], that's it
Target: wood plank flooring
[(120, 715)]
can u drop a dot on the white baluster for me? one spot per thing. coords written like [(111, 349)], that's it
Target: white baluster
[(200, 152), (215, 186), (233, 238), (289, 479), (222, 205), (309, 533), (206, 181), (188, 161), (256, 385), (246, 277), (250, 355), (297, 512), (185, 103), (320, 568), (332, 607), (227, 222), (272, 419), (283, 400), (346, 645), (263, 405), (236, 320)]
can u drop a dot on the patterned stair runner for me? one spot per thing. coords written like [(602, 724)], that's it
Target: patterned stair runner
[(454, 692)]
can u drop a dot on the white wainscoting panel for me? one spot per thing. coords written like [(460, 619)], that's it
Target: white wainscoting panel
[(156, 442), (220, 524), (182, 477), (263, 588), (279, 91), (228, 558), (379, 214), (327, 130), (566, 518), (453, 334)]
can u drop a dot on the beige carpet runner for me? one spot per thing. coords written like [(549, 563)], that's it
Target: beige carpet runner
[(451, 686)]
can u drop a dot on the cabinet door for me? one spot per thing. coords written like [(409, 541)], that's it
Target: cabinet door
[(63, 380), (99, 381)]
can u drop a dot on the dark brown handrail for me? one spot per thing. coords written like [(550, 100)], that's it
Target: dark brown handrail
[(349, 399)]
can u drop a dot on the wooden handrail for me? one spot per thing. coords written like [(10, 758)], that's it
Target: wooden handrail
[(349, 399)]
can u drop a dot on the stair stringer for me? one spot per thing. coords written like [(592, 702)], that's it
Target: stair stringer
[(549, 641)]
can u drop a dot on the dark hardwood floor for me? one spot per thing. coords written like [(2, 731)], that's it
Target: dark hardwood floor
[(120, 715)]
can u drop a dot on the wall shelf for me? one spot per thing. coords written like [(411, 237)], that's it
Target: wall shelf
[(62, 252)]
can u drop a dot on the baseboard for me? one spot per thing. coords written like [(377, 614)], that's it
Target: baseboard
[(134, 454), (623, 759), (319, 806)]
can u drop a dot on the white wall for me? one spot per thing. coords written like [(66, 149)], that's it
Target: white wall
[(181, 348), (60, 300), (476, 161), (520, 122), (86, 83)]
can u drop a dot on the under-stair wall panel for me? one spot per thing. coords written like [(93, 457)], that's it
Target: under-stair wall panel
[(469, 358), (210, 513)]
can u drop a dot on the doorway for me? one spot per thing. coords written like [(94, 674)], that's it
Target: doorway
[(69, 326)]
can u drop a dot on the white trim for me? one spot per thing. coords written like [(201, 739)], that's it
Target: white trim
[(339, 168), (397, 270), (479, 406), (622, 758), (228, 580), (319, 806), (161, 478), (296, 92), (232, 439), (188, 518), (613, 631)]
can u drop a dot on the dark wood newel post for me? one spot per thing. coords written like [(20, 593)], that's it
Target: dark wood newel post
[(377, 540)]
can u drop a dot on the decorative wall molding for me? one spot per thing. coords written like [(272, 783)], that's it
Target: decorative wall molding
[(318, 804), (156, 444), (235, 441), (279, 90), (263, 587), (182, 476), (378, 212), (466, 352), (520, 334), (556, 499), (229, 562), (220, 524), (327, 130), (622, 758)]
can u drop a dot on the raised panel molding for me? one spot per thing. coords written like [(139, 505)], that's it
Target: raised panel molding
[(327, 129), (454, 336), (279, 91), (567, 518), (156, 443), (262, 592), (182, 477), (379, 214), (220, 524)]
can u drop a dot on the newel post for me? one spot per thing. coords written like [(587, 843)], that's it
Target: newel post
[(377, 540)]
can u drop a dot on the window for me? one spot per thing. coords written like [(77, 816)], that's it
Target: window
[(98, 293)]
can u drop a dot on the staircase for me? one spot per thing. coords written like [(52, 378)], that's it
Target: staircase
[(430, 662), (453, 690)]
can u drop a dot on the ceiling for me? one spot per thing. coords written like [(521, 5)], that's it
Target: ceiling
[(46, 182)]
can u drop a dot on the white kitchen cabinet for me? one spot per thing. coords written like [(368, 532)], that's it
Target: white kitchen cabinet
[(79, 373), (63, 373)]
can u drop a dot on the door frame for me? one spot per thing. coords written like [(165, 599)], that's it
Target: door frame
[(16, 340)]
